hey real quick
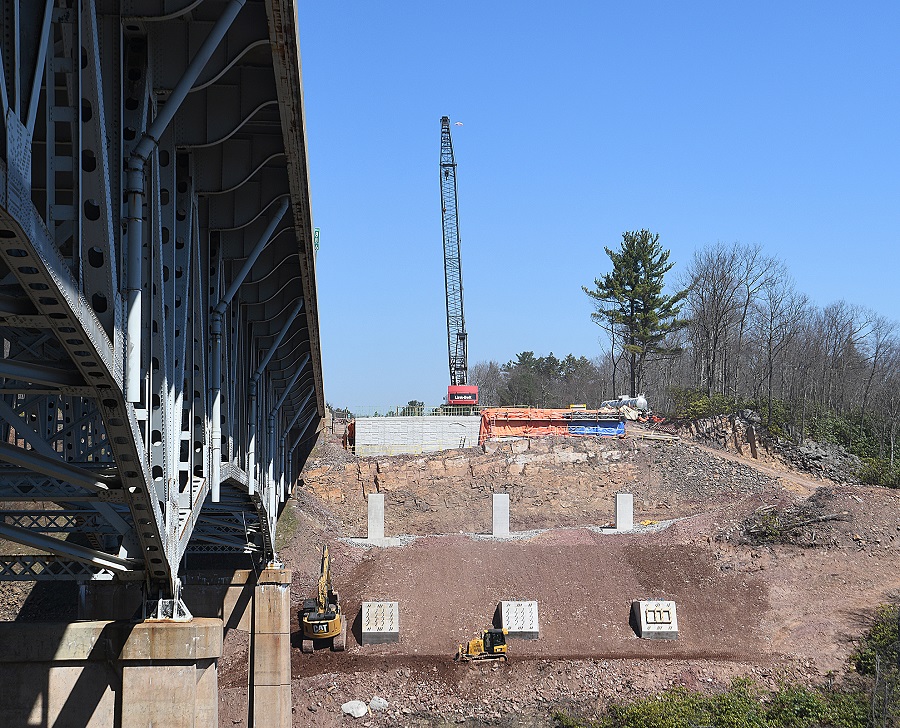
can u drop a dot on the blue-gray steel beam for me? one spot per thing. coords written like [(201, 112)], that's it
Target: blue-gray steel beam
[(30, 567), (135, 189), (208, 182), (125, 568), (254, 383), (54, 468), (216, 337)]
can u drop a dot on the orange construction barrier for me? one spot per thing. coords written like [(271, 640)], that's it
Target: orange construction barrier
[(534, 422)]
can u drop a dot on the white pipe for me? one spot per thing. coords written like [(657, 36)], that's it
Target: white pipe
[(254, 384), (135, 189), (216, 328)]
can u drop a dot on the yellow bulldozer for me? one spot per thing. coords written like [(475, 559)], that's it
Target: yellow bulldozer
[(321, 618), (490, 646)]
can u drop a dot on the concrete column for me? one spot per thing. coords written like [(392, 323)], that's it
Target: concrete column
[(376, 516), (624, 511), (270, 651), (501, 514), (101, 674)]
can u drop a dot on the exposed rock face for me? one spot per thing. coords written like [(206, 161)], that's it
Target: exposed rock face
[(742, 432), (552, 482), (821, 459), (738, 432)]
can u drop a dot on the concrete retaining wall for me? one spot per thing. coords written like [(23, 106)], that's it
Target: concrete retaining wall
[(406, 435)]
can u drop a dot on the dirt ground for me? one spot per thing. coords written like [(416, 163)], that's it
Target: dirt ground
[(785, 610)]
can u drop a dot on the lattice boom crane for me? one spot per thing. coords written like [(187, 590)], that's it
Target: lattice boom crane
[(459, 391)]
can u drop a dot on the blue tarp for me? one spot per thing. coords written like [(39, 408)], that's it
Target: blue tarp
[(608, 428)]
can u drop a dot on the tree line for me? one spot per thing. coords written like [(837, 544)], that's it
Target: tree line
[(733, 332)]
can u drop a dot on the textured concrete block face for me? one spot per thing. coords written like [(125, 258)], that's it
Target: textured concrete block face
[(501, 514), (520, 619), (380, 622), (624, 511), (48, 694), (270, 674), (271, 658), (158, 695), (376, 515), (654, 620), (400, 435)]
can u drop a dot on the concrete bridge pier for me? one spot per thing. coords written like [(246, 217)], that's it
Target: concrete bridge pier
[(101, 674), (258, 604), (270, 650)]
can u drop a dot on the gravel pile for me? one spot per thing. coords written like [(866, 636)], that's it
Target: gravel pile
[(696, 474), (823, 460)]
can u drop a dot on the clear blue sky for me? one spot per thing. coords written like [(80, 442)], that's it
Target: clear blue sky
[(770, 122)]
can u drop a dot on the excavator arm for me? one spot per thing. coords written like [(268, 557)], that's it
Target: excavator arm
[(324, 582)]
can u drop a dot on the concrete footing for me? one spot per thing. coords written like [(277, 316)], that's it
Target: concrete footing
[(380, 622), (624, 511), (654, 620), (104, 674), (375, 504), (501, 515), (520, 619)]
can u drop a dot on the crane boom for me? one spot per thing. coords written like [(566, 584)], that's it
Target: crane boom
[(456, 323)]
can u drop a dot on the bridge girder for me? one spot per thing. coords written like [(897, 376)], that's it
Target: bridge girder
[(146, 147)]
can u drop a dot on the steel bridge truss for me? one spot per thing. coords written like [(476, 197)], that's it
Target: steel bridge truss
[(160, 373)]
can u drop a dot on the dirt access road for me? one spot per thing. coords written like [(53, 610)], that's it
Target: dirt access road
[(767, 612)]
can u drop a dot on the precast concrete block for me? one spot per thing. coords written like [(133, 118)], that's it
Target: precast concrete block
[(501, 515), (520, 619), (158, 695), (271, 659), (206, 694), (376, 516), (624, 511), (272, 706), (271, 609), (380, 622), (654, 620)]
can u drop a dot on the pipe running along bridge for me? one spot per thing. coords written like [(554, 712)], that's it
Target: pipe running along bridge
[(160, 370)]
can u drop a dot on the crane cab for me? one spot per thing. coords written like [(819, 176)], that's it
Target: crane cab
[(462, 394)]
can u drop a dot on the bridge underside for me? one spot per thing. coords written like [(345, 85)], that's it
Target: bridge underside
[(160, 372)]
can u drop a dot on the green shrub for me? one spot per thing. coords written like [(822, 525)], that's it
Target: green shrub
[(692, 404), (743, 705), (878, 471), (882, 634)]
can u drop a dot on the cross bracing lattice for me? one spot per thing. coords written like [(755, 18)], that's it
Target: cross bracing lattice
[(160, 372)]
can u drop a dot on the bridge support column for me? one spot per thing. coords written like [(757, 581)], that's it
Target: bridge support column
[(105, 674), (270, 650)]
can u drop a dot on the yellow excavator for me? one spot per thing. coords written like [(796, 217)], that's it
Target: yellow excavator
[(490, 646), (321, 618)]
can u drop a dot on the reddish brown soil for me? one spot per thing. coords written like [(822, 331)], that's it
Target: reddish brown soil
[(767, 612)]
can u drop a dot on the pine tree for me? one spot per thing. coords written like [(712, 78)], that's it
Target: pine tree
[(630, 304)]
